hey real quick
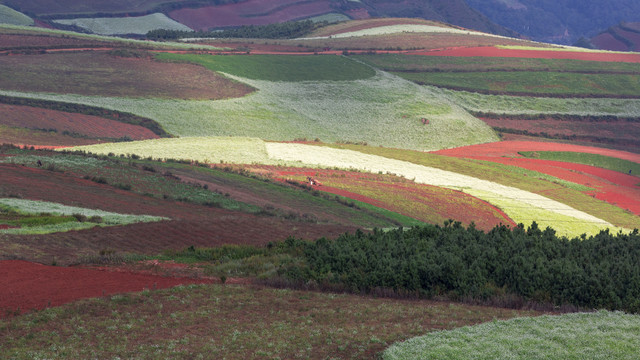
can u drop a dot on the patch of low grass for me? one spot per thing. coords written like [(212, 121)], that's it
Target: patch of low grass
[(601, 335), (280, 67), (601, 161)]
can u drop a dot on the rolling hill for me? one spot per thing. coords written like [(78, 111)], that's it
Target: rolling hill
[(393, 158)]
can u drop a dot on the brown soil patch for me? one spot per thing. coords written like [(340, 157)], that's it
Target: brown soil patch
[(101, 74), (85, 125)]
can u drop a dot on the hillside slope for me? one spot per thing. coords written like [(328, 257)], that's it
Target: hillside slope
[(562, 21)]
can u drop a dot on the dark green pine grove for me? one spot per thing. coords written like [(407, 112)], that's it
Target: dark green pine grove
[(455, 262)]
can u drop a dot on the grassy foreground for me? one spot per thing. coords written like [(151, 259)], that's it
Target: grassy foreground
[(230, 322), (602, 335)]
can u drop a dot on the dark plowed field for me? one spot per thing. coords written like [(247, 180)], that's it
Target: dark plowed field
[(190, 224)]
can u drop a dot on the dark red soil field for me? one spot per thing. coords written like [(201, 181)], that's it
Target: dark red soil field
[(490, 51), (606, 41), (190, 225), (87, 125), (102, 74), (618, 133), (252, 12), (29, 286)]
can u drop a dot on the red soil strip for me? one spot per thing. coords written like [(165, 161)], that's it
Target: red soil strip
[(26, 286), (611, 186), (491, 51), (89, 125), (511, 148)]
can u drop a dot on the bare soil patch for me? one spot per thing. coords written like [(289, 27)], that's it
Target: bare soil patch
[(71, 123), (30, 286), (101, 74)]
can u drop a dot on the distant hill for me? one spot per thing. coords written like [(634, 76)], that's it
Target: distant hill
[(559, 21), (622, 37), (211, 14)]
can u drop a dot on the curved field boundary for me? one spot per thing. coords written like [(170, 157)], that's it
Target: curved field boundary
[(602, 335), (512, 148), (611, 186), (29, 286), (519, 205), (492, 51)]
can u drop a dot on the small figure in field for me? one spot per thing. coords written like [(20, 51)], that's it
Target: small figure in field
[(39, 163), (424, 121), (313, 182)]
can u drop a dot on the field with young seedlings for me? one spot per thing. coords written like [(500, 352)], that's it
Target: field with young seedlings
[(139, 25)]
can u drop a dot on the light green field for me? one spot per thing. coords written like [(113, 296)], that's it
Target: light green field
[(514, 105), (139, 25), (29, 207), (12, 17), (580, 336), (384, 110), (605, 162), (280, 67)]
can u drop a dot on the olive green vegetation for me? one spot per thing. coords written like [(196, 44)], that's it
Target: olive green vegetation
[(230, 322), (601, 161), (280, 67), (562, 191), (581, 336), (532, 82), (402, 62)]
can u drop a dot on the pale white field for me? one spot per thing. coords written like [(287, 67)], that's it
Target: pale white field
[(139, 25), (400, 28), (38, 207)]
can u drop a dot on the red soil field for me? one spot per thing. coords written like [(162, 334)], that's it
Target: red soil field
[(511, 148), (40, 139), (611, 186), (606, 41), (91, 126), (490, 51), (190, 225), (251, 12), (28, 286)]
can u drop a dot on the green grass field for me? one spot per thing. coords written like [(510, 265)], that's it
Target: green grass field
[(384, 110), (10, 16), (580, 336), (516, 105), (280, 67), (537, 83), (605, 162), (402, 62)]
